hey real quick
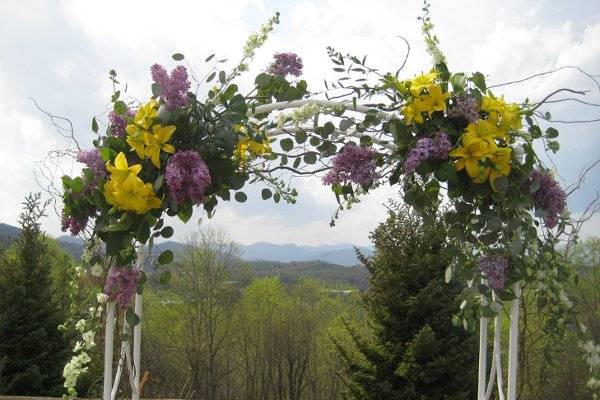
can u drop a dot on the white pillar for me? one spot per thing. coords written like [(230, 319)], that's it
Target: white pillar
[(483, 343), (137, 331), (513, 344), (109, 336)]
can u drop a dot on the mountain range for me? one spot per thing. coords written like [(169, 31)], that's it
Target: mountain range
[(340, 254)]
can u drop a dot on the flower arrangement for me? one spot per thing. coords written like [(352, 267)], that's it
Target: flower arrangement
[(442, 137)]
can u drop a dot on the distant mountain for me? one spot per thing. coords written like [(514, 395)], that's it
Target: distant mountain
[(338, 254)]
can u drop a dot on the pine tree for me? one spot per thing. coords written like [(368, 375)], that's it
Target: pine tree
[(32, 351), (415, 352)]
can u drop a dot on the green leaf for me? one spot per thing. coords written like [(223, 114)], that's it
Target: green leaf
[(166, 232), (479, 80), (458, 82), (165, 277), (240, 196), (222, 77), (211, 76), (209, 57), (120, 107), (177, 56), (501, 184), (310, 158), (156, 92), (185, 211), (276, 197), (300, 137), (448, 274), (158, 182), (105, 154), (345, 124), (286, 144), (262, 80), (132, 318), (535, 186), (551, 133), (94, 125), (553, 145), (266, 194), (166, 257)]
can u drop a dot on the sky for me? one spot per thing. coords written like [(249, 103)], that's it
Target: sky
[(58, 53)]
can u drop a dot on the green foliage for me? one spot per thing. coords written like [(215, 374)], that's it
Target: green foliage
[(415, 351), (32, 350)]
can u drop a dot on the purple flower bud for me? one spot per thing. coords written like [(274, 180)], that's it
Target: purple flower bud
[(174, 88), (353, 163), (494, 270), (286, 64), (121, 285), (119, 123), (550, 197), (187, 177), (464, 106)]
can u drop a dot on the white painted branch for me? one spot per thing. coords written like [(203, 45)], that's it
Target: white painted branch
[(137, 330), (498, 355), (513, 344), (282, 105), (115, 385), (483, 331), (490, 384), (109, 335), (309, 128)]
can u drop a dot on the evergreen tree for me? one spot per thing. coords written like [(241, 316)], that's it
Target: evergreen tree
[(415, 351), (32, 351)]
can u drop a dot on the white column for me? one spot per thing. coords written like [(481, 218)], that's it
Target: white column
[(513, 344), (137, 331), (483, 344), (109, 336)]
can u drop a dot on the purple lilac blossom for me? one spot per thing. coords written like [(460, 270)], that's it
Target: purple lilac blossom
[(72, 224), (353, 163), (187, 177), (550, 197), (464, 106), (92, 160), (121, 285), (286, 64), (427, 148), (119, 123), (494, 269), (173, 88)]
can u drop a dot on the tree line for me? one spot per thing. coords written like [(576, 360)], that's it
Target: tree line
[(218, 331)]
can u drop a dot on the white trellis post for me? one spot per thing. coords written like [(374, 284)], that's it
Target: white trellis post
[(484, 390), (111, 387)]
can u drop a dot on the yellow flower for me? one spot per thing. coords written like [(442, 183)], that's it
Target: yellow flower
[(419, 83), (121, 170), (412, 112), (157, 141), (246, 145), (126, 191), (146, 114), (137, 138), (501, 165), (483, 130), (131, 194), (434, 100), (471, 154), (506, 116), (237, 128)]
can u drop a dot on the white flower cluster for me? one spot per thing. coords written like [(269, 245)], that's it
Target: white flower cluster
[(257, 39), (299, 115), (592, 358), (78, 363)]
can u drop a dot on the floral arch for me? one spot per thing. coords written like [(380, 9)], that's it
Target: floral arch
[(440, 136)]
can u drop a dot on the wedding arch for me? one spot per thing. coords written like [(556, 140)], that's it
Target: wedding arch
[(441, 137)]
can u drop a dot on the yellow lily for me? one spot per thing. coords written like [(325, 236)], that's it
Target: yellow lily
[(157, 142), (121, 170), (246, 145), (146, 114), (131, 194), (471, 154), (421, 82), (435, 99), (412, 112), (501, 165), (137, 138)]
